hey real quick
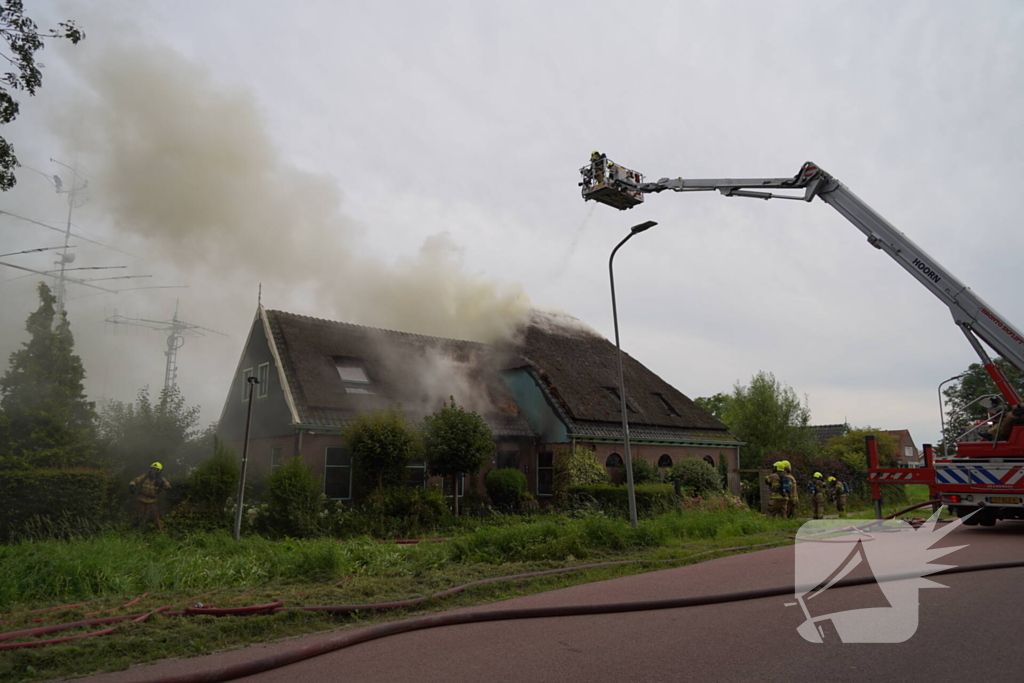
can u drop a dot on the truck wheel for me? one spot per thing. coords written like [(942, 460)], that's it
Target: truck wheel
[(963, 511)]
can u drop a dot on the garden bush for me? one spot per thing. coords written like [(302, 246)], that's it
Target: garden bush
[(506, 486), (644, 472), (697, 476), (576, 467), (295, 500), (651, 499), (73, 500)]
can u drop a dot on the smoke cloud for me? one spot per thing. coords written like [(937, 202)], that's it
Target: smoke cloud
[(186, 165)]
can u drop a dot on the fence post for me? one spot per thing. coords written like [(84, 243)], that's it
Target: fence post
[(876, 490)]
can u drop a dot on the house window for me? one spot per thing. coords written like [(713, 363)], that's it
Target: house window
[(507, 459), (353, 376), (618, 401), (665, 460), (545, 474), (338, 473), (263, 375), (416, 473), (668, 406), (709, 460), (275, 457), (446, 486), (246, 374), (614, 460)]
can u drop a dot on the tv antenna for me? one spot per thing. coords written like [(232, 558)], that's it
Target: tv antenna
[(176, 329)]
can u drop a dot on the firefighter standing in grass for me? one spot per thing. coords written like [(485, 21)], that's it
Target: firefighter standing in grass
[(817, 487), (148, 486), (778, 486), (794, 495), (839, 491)]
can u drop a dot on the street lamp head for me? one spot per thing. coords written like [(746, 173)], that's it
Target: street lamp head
[(252, 380), (643, 226)]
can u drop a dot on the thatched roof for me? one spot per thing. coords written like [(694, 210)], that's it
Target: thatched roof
[(417, 371), (579, 369)]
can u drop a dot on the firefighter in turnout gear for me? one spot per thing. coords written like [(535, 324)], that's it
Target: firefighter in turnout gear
[(794, 495), (778, 486), (148, 487), (838, 490), (817, 488)]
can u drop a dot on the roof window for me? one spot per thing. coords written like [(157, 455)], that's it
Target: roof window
[(353, 376), (668, 406), (615, 394)]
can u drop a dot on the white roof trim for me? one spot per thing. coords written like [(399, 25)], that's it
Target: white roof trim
[(271, 342)]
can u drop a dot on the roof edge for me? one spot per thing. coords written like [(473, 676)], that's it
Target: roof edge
[(272, 343)]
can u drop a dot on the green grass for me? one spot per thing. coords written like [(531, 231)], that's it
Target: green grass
[(112, 569)]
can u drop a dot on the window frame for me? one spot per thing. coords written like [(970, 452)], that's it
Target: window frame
[(349, 466), (622, 462), (461, 485), (423, 466), (536, 474), (353, 386), (263, 377), (275, 455), (246, 374), (671, 463)]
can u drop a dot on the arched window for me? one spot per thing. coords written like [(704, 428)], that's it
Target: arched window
[(665, 461), (709, 460), (614, 460)]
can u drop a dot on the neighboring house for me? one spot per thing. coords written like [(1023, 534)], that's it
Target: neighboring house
[(907, 453), (825, 433), (552, 387)]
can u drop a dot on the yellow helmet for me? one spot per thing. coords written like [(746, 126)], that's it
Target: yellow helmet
[(778, 465), (157, 466), (831, 479), (785, 464), (595, 153), (818, 475)]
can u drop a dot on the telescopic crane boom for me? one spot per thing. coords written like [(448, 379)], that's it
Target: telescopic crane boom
[(623, 189)]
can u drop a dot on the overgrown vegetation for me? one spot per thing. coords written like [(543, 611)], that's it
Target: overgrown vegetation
[(697, 476), (506, 487), (382, 443)]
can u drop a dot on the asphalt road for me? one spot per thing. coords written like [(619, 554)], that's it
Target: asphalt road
[(970, 629)]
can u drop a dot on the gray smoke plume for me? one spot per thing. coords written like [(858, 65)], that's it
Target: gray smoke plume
[(185, 165)]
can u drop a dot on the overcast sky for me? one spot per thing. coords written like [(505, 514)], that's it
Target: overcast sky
[(414, 165)]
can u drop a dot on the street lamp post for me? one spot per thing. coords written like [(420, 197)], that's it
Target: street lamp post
[(245, 460), (622, 384)]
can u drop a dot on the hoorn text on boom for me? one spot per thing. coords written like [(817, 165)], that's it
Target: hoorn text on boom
[(929, 273)]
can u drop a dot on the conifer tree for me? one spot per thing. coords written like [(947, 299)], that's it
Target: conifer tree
[(47, 420)]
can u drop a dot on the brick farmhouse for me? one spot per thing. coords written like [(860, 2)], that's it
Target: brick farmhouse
[(553, 386)]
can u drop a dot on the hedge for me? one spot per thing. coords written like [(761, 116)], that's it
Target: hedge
[(51, 499), (651, 499)]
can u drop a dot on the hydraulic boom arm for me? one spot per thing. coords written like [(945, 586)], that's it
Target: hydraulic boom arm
[(974, 317)]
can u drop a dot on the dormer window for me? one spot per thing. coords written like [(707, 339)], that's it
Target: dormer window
[(353, 376), (668, 406), (618, 401)]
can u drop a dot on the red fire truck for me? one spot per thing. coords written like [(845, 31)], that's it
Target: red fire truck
[(985, 476)]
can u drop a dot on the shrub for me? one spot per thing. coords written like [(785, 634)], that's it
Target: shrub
[(576, 467), (644, 472), (697, 476), (295, 500), (74, 497), (506, 486), (651, 499), (215, 481), (401, 511), (456, 441), (382, 443)]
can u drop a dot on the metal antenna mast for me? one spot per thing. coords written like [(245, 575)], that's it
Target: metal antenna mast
[(176, 329), (76, 197)]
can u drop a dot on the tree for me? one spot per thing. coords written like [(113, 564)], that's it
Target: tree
[(133, 435), (381, 442), (23, 39), (974, 383), (850, 457), (770, 417), (575, 466), (456, 441), (47, 420), (716, 405)]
